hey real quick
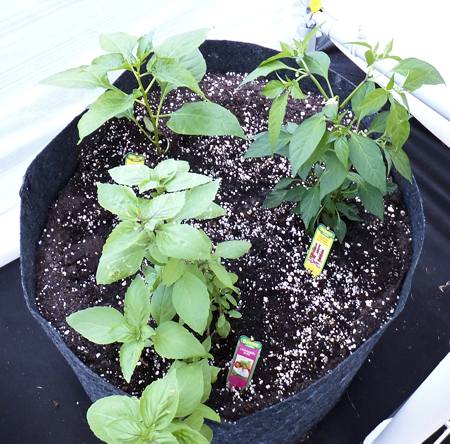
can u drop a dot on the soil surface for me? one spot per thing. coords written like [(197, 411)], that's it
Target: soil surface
[(306, 325)]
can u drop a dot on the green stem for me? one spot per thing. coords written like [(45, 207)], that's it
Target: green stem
[(349, 97), (147, 107), (142, 129), (315, 81)]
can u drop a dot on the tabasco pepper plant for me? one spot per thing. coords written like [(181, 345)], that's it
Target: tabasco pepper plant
[(333, 159), (173, 63)]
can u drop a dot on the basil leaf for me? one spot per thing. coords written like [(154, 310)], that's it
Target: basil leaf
[(119, 200), (190, 298), (107, 410), (130, 175), (198, 200), (185, 180), (162, 207), (97, 324), (183, 242), (122, 253), (129, 355), (233, 249), (159, 402), (161, 306), (175, 342), (137, 303), (172, 271)]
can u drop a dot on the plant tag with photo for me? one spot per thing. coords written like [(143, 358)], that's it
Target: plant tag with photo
[(319, 250), (244, 361), (134, 159)]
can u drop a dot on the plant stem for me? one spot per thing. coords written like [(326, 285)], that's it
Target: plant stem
[(349, 97), (142, 129), (147, 106), (315, 81)]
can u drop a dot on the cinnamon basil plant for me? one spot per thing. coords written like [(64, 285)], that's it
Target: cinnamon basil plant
[(334, 158)]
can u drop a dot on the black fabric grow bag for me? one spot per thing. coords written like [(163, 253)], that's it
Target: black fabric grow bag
[(283, 423)]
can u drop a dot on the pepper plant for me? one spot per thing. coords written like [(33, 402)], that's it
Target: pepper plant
[(333, 159), (176, 62), (169, 411)]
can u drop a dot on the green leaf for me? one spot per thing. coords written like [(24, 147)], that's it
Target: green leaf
[(185, 435), (129, 355), (310, 205), (418, 73), (224, 329), (340, 229), (222, 274), (204, 119), (342, 150), (109, 62), (318, 63), (233, 249), (368, 161), (108, 410), (119, 200), (169, 168), (372, 103), (378, 124), (122, 253), (110, 104), (264, 71), (130, 175), (272, 89), (177, 46), (85, 77), (372, 199), (172, 271), (397, 124), (97, 324), (173, 341), (183, 242), (296, 92), (163, 207), (333, 176), (171, 72), (161, 306), (145, 45), (198, 200), (190, 298), (212, 212), (349, 211), (185, 180), (159, 402), (194, 63), (401, 163), (360, 95), (119, 42), (137, 303), (261, 147), (305, 140), (276, 117), (190, 386), (275, 198)]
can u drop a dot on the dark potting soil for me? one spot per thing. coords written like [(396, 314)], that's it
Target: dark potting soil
[(306, 325)]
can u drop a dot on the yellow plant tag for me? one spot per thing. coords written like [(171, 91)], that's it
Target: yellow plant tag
[(315, 5), (134, 159), (319, 250)]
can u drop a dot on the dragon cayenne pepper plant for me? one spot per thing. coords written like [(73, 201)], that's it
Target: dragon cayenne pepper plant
[(173, 63), (180, 275), (333, 159)]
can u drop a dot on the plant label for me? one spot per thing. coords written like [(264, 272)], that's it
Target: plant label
[(134, 159), (319, 250), (244, 361)]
